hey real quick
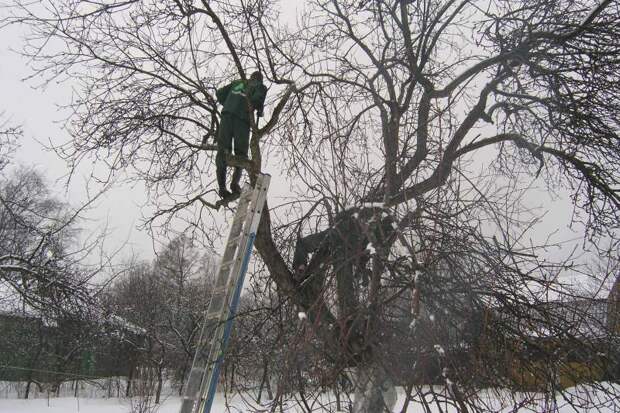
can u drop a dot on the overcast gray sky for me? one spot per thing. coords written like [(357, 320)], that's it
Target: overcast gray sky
[(36, 110)]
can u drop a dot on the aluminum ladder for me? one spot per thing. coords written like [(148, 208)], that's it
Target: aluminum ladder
[(204, 374)]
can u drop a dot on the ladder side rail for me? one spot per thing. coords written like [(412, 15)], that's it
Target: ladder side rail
[(221, 314), (217, 345), (197, 371), (231, 249), (259, 205), (200, 362), (212, 382), (245, 235), (252, 225)]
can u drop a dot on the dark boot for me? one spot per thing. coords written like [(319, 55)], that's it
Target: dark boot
[(234, 186), (221, 182), (224, 193)]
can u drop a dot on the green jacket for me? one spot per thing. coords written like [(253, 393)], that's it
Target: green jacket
[(233, 97)]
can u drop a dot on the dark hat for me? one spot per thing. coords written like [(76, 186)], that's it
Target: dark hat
[(257, 75)]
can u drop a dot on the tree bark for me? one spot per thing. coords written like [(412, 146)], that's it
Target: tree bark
[(374, 391), (160, 382), (129, 380), (264, 380)]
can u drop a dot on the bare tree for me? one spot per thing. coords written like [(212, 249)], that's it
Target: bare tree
[(166, 301), (8, 136), (138, 299), (37, 260), (42, 260), (394, 105), (185, 274)]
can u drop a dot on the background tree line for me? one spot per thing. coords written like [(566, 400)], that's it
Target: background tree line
[(144, 317), (148, 316), (64, 318), (413, 137)]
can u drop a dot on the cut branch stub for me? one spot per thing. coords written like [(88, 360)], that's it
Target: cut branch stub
[(239, 162)]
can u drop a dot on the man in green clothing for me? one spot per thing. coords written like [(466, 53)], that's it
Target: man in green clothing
[(240, 99)]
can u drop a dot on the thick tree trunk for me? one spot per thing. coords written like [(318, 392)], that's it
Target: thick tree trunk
[(182, 386), (129, 381), (374, 391), (28, 384), (33, 363), (232, 375), (264, 381), (268, 386), (160, 383)]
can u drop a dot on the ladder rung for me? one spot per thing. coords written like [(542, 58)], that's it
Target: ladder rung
[(221, 289), (213, 317), (230, 248), (223, 282), (237, 232), (218, 300), (215, 314), (239, 217), (228, 263), (223, 275), (230, 245), (213, 339), (232, 241), (224, 271), (229, 251)]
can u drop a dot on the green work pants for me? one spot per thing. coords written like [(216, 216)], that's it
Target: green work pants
[(232, 130)]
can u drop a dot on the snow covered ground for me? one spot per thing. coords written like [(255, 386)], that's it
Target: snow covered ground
[(586, 399)]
